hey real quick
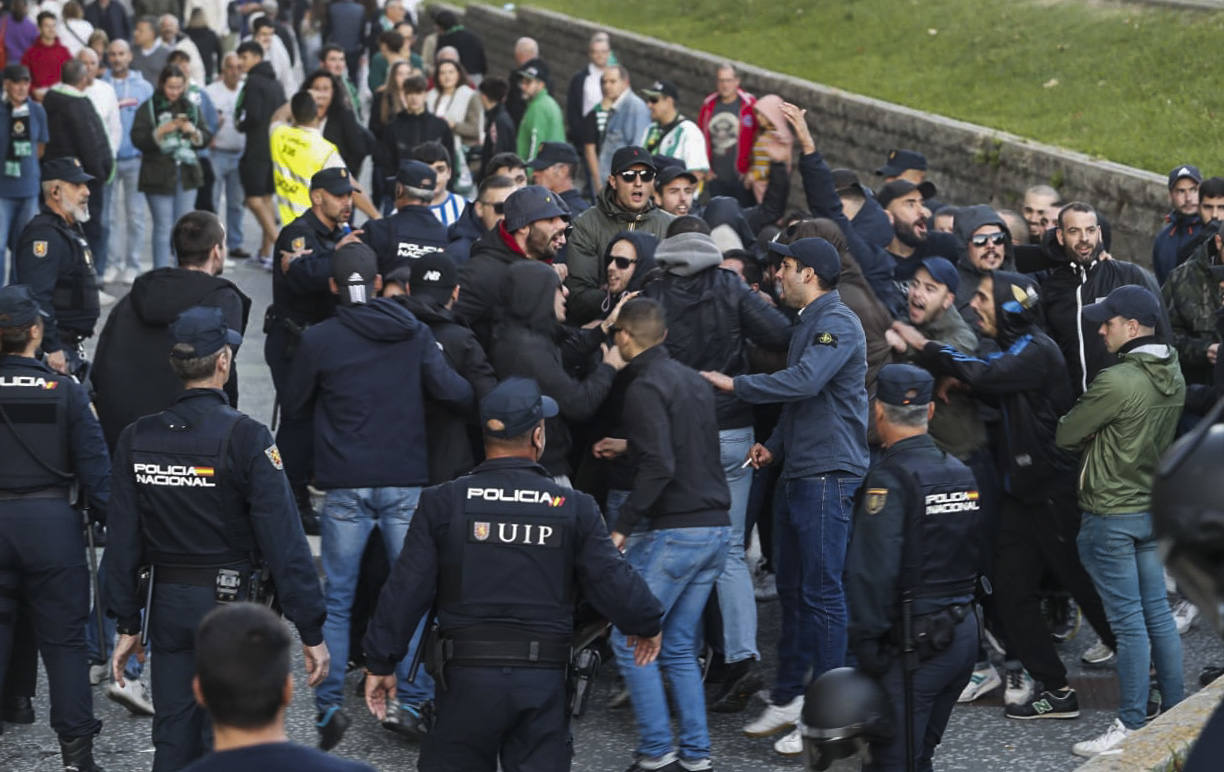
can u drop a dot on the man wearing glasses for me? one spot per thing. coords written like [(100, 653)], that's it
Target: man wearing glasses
[(985, 237), (625, 204), (670, 133), (480, 217)]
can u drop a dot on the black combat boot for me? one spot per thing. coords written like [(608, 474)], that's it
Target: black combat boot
[(78, 754)]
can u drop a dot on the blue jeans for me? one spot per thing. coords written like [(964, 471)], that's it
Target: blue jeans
[(167, 209), (349, 515), (615, 499), (127, 183), (680, 566), (225, 169), (1119, 553), (15, 213), (811, 533), (736, 600)]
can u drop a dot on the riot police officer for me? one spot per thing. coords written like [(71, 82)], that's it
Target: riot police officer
[(502, 548), (50, 443), (911, 570), (200, 494), (53, 258), (413, 231)]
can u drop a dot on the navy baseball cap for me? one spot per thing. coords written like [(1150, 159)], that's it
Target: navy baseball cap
[(844, 180), (1185, 170), (530, 204), (553, 153), (354, 267), (894, 190), (815, 253), (1130, 301), (903, 385), (416, 174), (668, 169), (660, 88), (203, 329), (631, 155), (534, 69), (514, 406), (16, 72), (942, 271), (67, 168), (434, 274), (336, 181), (900, 160), (18, 308)]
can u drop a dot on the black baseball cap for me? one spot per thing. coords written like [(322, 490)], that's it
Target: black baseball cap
[(203, 329), (535, 69), (815, 253), (1185, 170), (530, 204), (67, 168), (354, 267), (669, 168), (844, 180), (900, 160), (514, 406), (15, 72), (336, 181), (1130, 301), (631, 155), (942, 271), (18, 308), (416, 174), (894, 190), (903, 385), (434, 274), (660, 88), (553, 153)]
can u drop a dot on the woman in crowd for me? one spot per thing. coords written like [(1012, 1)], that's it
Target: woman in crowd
[(455, 102), (388, 102)]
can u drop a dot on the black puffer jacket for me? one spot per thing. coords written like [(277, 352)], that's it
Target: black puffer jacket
[(481, 280)]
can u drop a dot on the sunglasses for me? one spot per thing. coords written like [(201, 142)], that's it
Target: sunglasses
[(654, 99), (645, 175), (622, 263), (998, 238), (498, 208)]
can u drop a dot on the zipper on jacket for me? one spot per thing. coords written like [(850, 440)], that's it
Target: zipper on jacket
[(1079, 329)]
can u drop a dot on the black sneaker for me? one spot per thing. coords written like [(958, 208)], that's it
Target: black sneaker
[(1210, 673), (411, 721), (19, 710), (741, 681), (1154, 702), (332, 724), (1063, 616), (1047, 704)]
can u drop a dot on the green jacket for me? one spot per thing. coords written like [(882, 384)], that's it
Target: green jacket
[(957, 426), (1192, 298), (542, 122), (1123, 423)]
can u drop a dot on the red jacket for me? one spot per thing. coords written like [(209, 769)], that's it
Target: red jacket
[(747, 132), (45, 63)]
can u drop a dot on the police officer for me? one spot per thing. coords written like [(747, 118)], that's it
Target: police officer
[(502, 549), (413, 231), (53, 258), (50, 443), (301, 297), (200, 495), (911, 569)]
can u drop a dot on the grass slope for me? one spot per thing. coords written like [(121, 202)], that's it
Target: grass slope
[(1130, 83)]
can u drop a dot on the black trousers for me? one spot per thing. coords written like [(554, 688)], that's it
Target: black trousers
[(1035, 538), (294, 435), (514, 714), (42, 562), (182, 731)]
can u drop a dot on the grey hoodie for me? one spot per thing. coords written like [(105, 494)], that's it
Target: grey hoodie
[(687, 253)]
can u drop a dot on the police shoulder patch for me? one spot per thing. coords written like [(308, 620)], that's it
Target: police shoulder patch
[(273, 454), (298, 244), (40, 249), (825, 339), (875, 500)]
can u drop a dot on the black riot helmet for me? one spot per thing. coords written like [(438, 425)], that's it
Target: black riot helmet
[(1188, 515), (843, 710)]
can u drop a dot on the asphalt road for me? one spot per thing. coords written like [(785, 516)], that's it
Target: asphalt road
[(978, 736)]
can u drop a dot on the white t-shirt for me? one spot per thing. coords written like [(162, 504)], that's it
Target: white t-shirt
[(102, 94), (227, 137), (685, 142)]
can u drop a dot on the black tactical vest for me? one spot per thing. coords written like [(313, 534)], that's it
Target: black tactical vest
[(36, 403), (75, 295)]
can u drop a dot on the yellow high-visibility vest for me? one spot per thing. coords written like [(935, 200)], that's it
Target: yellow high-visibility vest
[(297, 154)]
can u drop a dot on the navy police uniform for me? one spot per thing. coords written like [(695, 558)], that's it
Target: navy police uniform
[(503, 550), (413, 231), (914, 543), (53, 258), (199, 493), (50, 442)]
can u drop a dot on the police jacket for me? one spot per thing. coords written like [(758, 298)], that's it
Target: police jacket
[(669, 420), (131, 375), (462, 234), (1169, 247), (78, 132), (482, 278), (364, 375), (54, 259), (262, 95), (916, 528), (411, 232), (450, 441), (201, 484), (51, 415), (504, 549), (302, 293)]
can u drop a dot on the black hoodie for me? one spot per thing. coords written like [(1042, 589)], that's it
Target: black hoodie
[(526, 344), (131, 373), (969, 219), (644, 244)]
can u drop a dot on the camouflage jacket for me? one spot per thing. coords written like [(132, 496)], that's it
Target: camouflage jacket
[(1192, 298)]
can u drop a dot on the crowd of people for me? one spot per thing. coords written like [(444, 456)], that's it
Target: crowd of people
[(720, 365)]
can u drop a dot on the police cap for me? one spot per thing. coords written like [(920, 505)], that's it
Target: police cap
[(67, 168), (903, 385), (416, 174), (335, 180), (202, 328), (514, 406), (815, 253), (901, 160), (18, 308)]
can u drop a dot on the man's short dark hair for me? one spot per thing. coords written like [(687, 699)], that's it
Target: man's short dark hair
[(260, 23), (72, 73), (327, 49), (13, 340), (415, 84), (1212, 187), (506, 161), (493, 182), (752, 271), (431, 152), (495, 89), (194, 368), (250, 47), (44, 15), (392, 40), (1076, 206), (303, 107), (194, 236), (687, 224), (644, 321), (242, 661), (177, 56), (149, 20)]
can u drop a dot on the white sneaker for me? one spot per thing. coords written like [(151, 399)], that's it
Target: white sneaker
[(790, 744), (1019, 687), (1097, 654), (129, 275), (985, 679), (1184, 614), (1115, 734), (133, 696), (111, 275), (99, 673), (775, 718), (106, 299)]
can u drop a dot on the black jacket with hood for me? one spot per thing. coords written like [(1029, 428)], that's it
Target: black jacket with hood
[(968, 219), (644, 244), (482, 278), (463, 234), (131, 374), (526, 343), (710, 312)]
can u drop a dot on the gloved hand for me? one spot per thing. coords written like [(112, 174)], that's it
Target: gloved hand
[(874, 656)]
